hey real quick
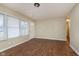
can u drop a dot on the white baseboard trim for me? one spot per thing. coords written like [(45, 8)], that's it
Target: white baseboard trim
[(14, 45), (51, 39), (74, 50)]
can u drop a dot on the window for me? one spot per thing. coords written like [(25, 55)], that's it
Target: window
[(13, 27), (24, 28), (27, 28), (1, 27)]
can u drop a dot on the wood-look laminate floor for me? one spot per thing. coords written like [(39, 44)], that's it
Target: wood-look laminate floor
[(40, 47)]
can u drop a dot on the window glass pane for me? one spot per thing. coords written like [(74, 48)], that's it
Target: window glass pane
[(24, 28), (13, 27), (27, 28), (1, 27)]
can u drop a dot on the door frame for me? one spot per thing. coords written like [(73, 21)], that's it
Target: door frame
[(68, 31)]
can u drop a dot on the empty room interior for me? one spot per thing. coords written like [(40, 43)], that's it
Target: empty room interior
[(39, 29)]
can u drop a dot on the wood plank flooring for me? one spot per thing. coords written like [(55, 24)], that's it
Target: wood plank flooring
[(40, 47)]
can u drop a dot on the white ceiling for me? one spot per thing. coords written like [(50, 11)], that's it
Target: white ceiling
[(45, 11)]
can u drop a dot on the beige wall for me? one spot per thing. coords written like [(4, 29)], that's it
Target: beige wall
[(74, 25), (6, 44), (51, 29)]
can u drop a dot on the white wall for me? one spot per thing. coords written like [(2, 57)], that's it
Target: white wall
[(51, 29), (6, 44), (74, 25), (32, 30)]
